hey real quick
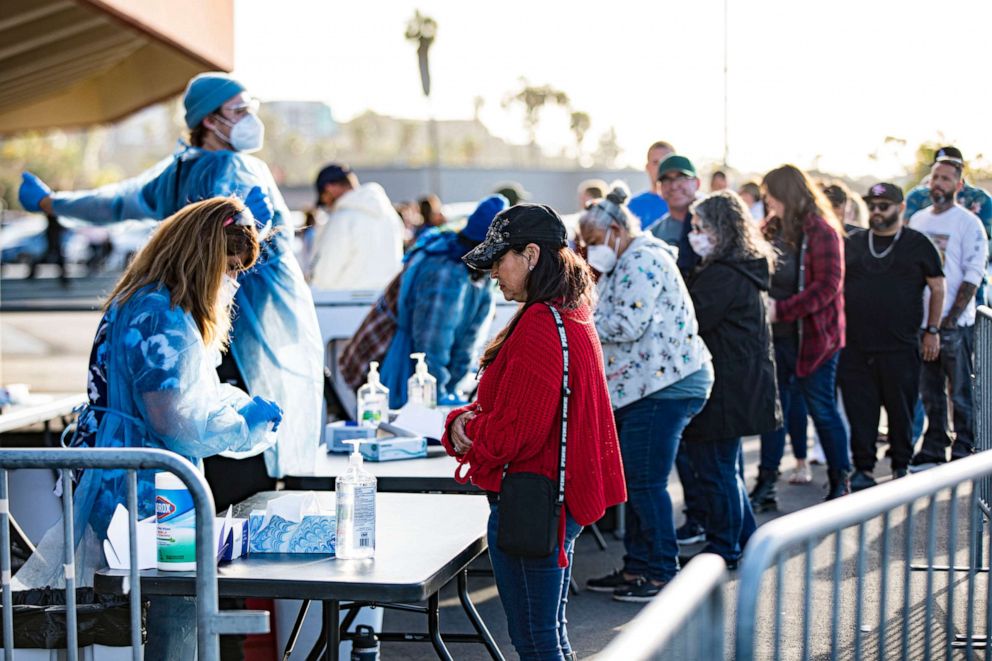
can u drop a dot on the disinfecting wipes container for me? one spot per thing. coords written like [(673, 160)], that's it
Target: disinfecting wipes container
[(176, 524)]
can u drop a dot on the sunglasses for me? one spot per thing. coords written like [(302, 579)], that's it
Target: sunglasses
[(880, 206)]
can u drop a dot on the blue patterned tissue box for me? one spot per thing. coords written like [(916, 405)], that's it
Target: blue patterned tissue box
[(392, 449), (314, 534)]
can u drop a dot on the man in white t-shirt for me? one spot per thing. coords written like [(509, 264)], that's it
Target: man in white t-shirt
[(960, 238)]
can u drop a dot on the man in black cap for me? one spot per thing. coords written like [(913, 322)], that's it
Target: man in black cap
[(359, 242), (887, 268)]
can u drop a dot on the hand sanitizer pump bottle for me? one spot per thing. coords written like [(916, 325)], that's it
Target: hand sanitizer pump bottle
[(354, 494), (373, 400), (421, 388)]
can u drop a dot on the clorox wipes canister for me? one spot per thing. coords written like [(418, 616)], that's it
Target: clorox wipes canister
[(176, 520)]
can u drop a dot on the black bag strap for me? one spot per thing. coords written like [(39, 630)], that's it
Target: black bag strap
[(565, 392)]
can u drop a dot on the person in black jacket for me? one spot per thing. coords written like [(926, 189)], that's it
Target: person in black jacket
[(728, 290)]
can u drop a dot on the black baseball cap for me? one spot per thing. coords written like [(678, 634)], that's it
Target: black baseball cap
[(948, 154), (516, 227), (885, 191), (332, 174)]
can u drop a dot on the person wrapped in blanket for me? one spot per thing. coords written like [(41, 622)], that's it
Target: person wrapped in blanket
[(153, 382)]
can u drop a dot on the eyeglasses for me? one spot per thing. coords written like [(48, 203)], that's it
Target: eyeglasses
[(880, 206), (238, 109), (671, 179)]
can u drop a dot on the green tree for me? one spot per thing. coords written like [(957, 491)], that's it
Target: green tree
[(579, 123), (422, 30), (533, 98)]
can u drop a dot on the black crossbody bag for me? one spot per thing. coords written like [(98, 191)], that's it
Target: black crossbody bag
[(530, 504)]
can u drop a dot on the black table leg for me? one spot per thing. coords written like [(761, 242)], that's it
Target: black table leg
[(473, 616), (332, 614), (434, 627), (295, 633)]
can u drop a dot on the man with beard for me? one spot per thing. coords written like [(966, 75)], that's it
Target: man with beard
[(888, 266), (960, 238)]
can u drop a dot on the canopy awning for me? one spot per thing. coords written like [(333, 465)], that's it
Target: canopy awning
[(71, 63)]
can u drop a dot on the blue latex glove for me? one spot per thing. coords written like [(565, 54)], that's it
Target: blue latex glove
[(32, 191), (258, 202), (260, 410)]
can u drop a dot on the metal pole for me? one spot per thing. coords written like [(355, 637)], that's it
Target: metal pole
[(8, 602)]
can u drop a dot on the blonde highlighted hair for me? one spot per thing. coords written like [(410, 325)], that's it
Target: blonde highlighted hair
[(188, 255)]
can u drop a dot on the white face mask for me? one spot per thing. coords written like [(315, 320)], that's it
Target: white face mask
[(228, 288), (602, 257), (701, 244), (247, 135)]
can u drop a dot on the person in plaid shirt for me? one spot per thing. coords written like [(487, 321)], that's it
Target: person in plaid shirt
[(442, 308), (801, 217)]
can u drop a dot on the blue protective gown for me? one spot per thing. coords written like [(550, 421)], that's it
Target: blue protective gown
[(275, 342), (162, 391)]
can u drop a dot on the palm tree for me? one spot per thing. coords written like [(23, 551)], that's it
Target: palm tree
[(422, 30), (579, 123), (533, 98)]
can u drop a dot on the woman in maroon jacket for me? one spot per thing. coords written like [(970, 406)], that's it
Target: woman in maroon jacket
[(516, 419), (802, 222)]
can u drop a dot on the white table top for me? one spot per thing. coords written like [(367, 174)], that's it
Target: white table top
[(39, 408)]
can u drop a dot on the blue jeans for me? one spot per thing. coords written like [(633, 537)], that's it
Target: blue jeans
[(534, 593), (650, 432), (729, 520), (819, 392), (794, 412), (955, 365)]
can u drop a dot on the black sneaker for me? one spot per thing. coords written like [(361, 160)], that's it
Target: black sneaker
[(637, 591), (898, 472), (921, 461), (607, 583), (960, 450), (690, 532), (862, 480)]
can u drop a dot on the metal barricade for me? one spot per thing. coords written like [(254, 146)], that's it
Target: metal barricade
[(210, 622), (685, 621), (861, 548)]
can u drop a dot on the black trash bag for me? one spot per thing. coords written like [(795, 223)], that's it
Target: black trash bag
[(102, 619)]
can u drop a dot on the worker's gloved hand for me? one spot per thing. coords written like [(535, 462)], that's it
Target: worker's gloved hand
[(260, 410), (32, 191), (259, 204)]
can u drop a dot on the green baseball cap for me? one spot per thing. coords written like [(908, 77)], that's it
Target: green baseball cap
[(676, 163)]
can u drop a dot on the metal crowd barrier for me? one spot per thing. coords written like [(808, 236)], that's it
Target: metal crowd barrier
[(685, 621), (210, 622), (847, 622)]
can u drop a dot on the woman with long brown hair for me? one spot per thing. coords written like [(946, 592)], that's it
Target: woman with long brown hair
[(515, 425), (807, 311)]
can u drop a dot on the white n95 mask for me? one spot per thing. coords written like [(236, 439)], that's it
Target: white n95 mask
[(247, 134)]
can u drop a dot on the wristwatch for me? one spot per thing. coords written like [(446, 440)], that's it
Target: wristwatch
[(933, 330)]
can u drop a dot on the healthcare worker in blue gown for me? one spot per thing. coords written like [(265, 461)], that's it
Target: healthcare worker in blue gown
[(152, 383), (275, 346)]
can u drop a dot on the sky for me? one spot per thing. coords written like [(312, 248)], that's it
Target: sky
[(818, 84)]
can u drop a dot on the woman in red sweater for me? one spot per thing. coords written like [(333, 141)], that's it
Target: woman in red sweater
[(516, 419)]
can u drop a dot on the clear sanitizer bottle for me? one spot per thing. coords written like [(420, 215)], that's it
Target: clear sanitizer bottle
[(421, 388), (354, 494), (373, 400)]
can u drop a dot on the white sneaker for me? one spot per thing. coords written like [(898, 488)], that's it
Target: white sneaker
[(816, 456)]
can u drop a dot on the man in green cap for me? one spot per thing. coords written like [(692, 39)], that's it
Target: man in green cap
[(679, 184)]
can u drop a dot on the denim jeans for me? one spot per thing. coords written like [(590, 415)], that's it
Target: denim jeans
[(953, 364), (794, 412), (729, 520), (650, 432), (534, 593), (819, 392)]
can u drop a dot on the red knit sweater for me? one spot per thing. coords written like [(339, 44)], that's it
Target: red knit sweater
[(518, 417)]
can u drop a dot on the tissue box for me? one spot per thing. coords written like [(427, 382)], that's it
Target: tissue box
[(391, 449), (338, 432), (239, 531), (313, 534)]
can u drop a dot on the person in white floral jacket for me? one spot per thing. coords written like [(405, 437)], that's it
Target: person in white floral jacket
[(659, 374)]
